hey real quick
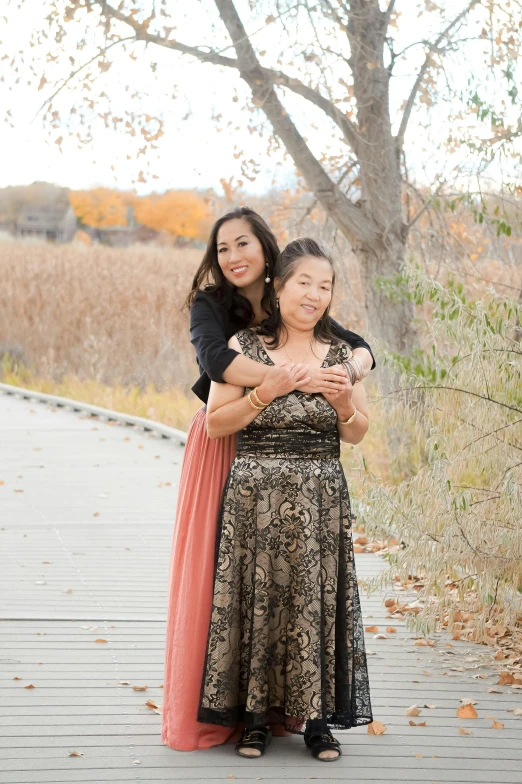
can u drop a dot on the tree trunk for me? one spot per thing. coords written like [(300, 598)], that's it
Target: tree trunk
[(391, 322)]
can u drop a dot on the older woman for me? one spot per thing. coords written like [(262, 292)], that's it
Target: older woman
[(285, 641)]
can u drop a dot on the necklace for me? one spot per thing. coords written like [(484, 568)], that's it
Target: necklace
[(303, 359)]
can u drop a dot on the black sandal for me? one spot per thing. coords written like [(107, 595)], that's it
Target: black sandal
[(256, 738), (324, 741)]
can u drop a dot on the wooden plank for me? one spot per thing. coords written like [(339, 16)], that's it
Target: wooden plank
[(78, 702)]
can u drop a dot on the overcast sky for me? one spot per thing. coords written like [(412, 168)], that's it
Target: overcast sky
[(192, 154)]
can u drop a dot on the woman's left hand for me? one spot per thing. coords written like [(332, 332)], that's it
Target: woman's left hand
[(341, 401)]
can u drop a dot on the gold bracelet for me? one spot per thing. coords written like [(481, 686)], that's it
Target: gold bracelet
[(254, 392), (350, 419), (258, 408)]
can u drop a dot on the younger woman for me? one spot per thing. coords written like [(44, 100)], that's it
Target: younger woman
[(231, 290)]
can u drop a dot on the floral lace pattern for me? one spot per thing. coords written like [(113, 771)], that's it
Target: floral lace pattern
[(286, 640)]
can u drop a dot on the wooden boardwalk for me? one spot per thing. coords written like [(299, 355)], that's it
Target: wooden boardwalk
[(86, 513)]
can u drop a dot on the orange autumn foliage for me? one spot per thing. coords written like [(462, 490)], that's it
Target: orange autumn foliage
[(180, 213), (100, 208)]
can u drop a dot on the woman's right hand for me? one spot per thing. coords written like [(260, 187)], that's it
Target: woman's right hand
[(282, 379), (329, 380)]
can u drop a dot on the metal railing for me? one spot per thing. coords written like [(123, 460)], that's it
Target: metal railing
[(103, 414)]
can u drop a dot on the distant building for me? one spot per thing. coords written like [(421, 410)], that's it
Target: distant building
[(47, 222)]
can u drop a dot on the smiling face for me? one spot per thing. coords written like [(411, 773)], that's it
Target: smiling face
[(240, 254), (306, 295)]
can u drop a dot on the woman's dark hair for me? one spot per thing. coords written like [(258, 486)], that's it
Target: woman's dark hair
[(286, 266), (210, 277)]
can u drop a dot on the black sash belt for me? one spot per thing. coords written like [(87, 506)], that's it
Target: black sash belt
[(285, 443)]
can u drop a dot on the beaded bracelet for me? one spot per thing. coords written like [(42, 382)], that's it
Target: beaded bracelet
[(351, 372)]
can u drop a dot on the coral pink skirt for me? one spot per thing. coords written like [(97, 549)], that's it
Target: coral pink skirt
[(205, 467)]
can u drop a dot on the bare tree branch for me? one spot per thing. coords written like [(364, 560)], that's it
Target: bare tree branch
[(351, 219), (506, 136), (424, 68), (346, 126), (71, 76)]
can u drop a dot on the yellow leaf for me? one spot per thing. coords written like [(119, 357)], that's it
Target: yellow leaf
[(497, 725), (100, 639), (462, 731), (371, 628)]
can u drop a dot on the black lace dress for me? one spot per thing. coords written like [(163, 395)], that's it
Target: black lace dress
[(286, 640)]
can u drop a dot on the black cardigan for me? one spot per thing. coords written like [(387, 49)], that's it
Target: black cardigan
[(212, 326)]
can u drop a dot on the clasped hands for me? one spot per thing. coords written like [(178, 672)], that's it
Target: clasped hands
[(331, 382)]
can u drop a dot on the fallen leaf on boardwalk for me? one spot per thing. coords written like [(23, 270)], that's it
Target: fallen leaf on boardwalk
[(468, 701), (2, 482), (127, 438), (417, 723), (136, 762), (495, 691), (499, 656), (380, 636), (497, 725), (462, 731), (414, 710), (46, 562), (425, 672), (377, 728), (516, 711), (140, 688), (481, 675), (76, 754), (18, 490), (96, 514), (390, 603), (124, 683), (140, 446), (467, 712), (371, 628), (152, 705), (424, 643), (29, 686), (391, 629), (67, 590), (100, 639), (429, 706), (418, 756), (16, 678), (506, 679)]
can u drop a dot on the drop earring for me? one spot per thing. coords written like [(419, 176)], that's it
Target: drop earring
[(267, 279)]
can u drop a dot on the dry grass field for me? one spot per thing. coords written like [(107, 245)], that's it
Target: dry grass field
[(105, 325), (101, 314)]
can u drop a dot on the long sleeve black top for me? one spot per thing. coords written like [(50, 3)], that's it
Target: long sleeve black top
[(212, 326)]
